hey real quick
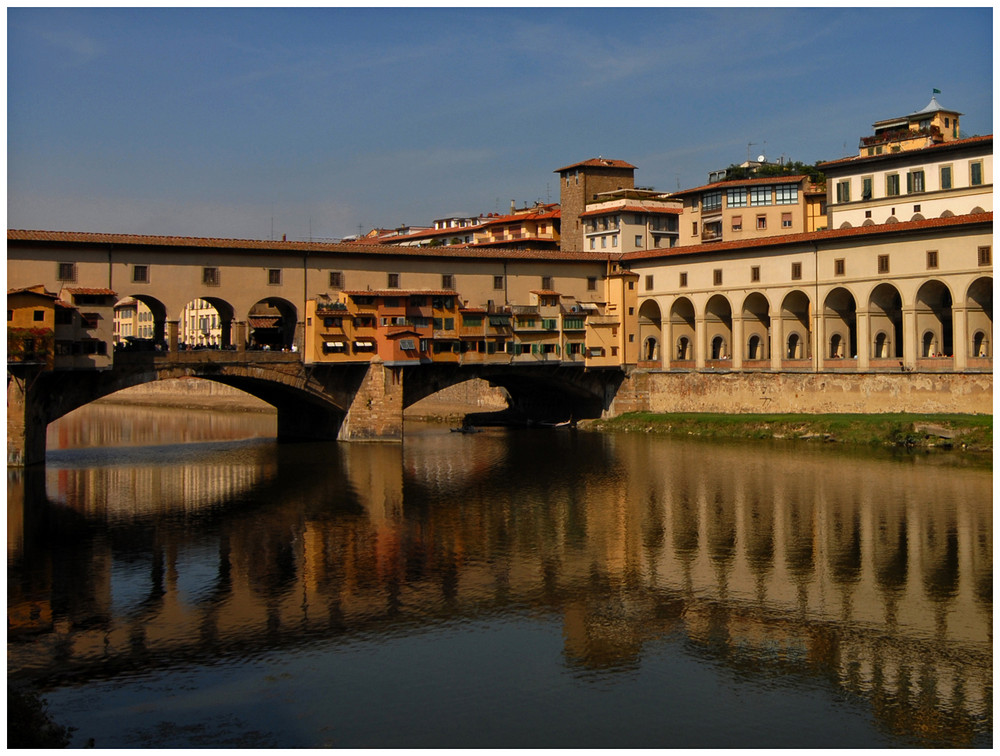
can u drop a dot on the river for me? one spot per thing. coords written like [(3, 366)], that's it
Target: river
[(176, 578)]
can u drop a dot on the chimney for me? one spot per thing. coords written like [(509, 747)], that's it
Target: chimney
[(512, 207)]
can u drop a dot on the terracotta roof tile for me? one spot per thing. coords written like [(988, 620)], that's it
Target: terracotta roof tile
[(902, 153), (597, 163), (104, 292), (790, 179), (632, 209), (288, 247), (813, 236)]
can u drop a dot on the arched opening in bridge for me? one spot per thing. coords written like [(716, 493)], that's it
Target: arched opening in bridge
[(650, 330), (840, 321), (140, 324), (272, 325), (682, 328), (979, 316), (719, 326), (886, 320), (756, 326), (206, 323), (795, 321), (933, 311)]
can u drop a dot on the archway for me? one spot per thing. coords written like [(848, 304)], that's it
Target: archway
[(979, 321), (840, 323), (795, 311), (206, 323), (886, 321), (719, 326), (140, 323), (650, 330), (934, 320), (272, 324), (682, 329), (756, 326)]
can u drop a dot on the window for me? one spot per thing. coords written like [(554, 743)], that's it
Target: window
[(838, 267), (604, 242), (336, 279), (638, 240), (593, 243), (614, 241), (761, 222), (946, 177), (392, 280), (67, 272), (737, 223), (140, 274), (892, 185), (883, 263), (274, 277), (447, 281), (932, 258), (755, 273), (711, 201), (210, 276), (38, 315), (760, 195), (736, 197), (497, 283), (649, 283), (786, 220), (914, 182), (866, 188), (976, 173), (984, 256), (717, 276), (796, 271), (683, 280), (694, 228), (592, 283), (786, 194), (844, 191), (547, 282)]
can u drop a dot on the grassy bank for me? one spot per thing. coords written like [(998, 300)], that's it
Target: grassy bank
[(973, 433)]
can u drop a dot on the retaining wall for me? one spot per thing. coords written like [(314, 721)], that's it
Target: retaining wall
[(810, 393)]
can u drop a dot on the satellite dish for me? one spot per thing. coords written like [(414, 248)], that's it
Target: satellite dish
[(761, 158)]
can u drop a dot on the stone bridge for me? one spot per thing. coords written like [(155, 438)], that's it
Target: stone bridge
[(349, 402)]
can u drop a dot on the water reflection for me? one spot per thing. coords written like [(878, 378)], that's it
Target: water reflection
[(871, 575)]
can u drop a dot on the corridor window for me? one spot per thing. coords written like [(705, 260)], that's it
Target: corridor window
[(946, 177), (755, 273), (497, 283), (67, 272), (838, 266), (649, 283), (883, 263), (683, 282), (547, 282), (210, 276), (392, 280), (717, 276), (914, 182), (336, 279), (448, 281), (976, 173), (796, 271), (274, 276), (985, 258), (140, 274), (592, 283), (932, 258)]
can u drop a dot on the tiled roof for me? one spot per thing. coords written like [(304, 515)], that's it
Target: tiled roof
[(516, 217), (264, 322), (402, 293), (597, 163), (812, 236), (546, 293), (97, 292), (33, 290), (955, 143), (632, 209), (286, 247), (790, 179)]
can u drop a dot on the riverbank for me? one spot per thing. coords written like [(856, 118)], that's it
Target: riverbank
[(969, 433)]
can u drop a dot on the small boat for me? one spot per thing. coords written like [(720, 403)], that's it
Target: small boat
[(466, 429)]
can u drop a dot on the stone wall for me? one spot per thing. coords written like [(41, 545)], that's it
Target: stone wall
[(376, 414), (810, 393)]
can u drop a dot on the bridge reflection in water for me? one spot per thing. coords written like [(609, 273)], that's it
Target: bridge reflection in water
[(872, 575)]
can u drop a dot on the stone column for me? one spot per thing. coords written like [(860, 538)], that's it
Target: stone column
[(819, 345), (376, 413), (737, 347), (25, 424), (700, 342), (240, 335), (864, 338), (911, 339), (172, 327), (777, 341), (960, 336)]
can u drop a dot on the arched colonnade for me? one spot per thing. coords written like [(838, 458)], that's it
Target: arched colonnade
[(877, 327)]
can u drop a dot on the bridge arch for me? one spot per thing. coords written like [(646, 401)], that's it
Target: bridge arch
[(795, 325), (650, 331), (756, 326), (682, 329), (719, 327), (979, 318), (273, 324), (933, 307), (146, 322), (840, 324), (207, 321), (885, 307)]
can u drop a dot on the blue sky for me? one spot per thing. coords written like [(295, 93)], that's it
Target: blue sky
[(253, 123)]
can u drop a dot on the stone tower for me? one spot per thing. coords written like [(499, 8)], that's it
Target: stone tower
[(579, 184)]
